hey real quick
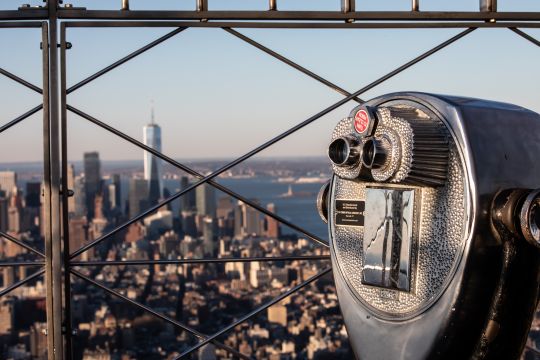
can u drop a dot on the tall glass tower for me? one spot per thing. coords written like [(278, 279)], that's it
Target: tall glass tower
[(152, 164), (92, 181)]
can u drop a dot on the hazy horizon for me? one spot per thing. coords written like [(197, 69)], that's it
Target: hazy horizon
[(217, 97)]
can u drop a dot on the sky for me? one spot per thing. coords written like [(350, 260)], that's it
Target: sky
[(218, 97)]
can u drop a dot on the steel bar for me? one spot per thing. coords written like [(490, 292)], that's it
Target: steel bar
[(199, 261), (196, 174), (65, 195), (157, 314), (255, 312), (408, 16), (348, 6), (488, 5), (125, 59), (526, 36), (20, 243), (201, 6), (291, 63), (21, 282), (21, 263), (272, 5), (21, 118), (415, 5), (21, 81), (47, 196), (273, 141), (125, 5), (299, 25), (30, 14), (53, 246)]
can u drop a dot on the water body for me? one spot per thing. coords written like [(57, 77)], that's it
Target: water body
[(300, 210)]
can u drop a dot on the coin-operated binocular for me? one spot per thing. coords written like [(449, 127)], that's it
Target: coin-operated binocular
[(434, 217)]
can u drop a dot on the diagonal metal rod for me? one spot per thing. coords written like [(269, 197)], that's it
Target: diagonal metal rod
[(124, 60), (199, 261), (159, 315), (525, 36), (21, 118), (21, 282), (21, 81), (196, 174), (255, 312), (291, 63), (21, 263), (274, 140), (21, 244)]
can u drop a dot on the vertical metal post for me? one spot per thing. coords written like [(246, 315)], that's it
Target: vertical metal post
[(47, 193), (415, 5), (488, 5), (125, 4), (65, 195), (202, 5), (348, 6), (53, 246), (272, 5)]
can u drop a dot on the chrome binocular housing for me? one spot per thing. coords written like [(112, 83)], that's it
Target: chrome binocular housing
[(434, 223)]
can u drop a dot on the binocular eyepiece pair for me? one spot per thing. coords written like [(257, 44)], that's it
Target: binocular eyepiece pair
[(434, 223), (349, 151)]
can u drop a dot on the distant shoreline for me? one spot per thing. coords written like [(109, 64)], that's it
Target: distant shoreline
[(191, 161)]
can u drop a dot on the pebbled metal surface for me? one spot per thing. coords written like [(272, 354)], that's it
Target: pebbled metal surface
[(438, 241), (400, 150)]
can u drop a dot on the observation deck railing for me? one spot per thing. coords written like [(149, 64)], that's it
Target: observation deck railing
[(55, 19)]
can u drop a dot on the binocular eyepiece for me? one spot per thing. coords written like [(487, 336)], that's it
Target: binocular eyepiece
[(345, 151), (348, 151)]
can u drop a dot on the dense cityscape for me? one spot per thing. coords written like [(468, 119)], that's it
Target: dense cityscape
[(205, 297)]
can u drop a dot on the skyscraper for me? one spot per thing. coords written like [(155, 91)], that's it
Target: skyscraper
[(138, 196), (4, 205), (206, 200), (8, 181), (79, 196), (247, 220), (117, 193), (188, 199), (92, 177), (152, 164), (272, 225), (209, 235), (33, 194)]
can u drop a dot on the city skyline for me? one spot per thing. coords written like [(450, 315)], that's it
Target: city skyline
[(253, 96)]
